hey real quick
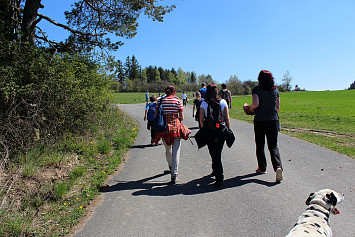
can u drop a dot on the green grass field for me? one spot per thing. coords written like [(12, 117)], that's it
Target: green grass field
[(325, 118)]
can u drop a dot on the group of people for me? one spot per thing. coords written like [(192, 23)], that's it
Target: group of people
[(265, 106)]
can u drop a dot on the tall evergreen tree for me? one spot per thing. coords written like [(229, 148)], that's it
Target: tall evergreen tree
[(134, 69), (193, 77)]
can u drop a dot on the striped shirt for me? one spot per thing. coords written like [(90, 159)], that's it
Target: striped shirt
[(171, 105)]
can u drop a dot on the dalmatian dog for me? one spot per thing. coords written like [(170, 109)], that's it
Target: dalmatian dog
[(315, 220)]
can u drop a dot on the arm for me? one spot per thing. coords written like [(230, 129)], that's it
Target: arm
[(226, 112), (181, 115), (193, 111), (145, 114), (202, 117), (278, 104), (230, 99), (255, 103)]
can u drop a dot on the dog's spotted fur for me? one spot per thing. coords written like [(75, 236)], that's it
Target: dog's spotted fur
[(315, 220)]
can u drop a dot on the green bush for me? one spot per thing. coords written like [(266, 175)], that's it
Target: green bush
[(42, 96)]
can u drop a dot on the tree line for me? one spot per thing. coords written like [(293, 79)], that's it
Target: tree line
[(129, 76)]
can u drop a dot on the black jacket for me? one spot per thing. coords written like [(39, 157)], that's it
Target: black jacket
[(205, 135)]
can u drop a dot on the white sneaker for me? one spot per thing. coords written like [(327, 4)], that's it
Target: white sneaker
[(279, 177)]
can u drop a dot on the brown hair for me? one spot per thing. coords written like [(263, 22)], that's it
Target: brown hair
[(266, 80), (211, 93), (170, 90)]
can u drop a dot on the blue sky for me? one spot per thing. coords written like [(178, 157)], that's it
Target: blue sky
[(312, 39)]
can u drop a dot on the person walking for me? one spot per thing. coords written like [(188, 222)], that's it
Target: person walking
[(227, 95), (174, 115), (266, 106), (215, 140), (203, 90), (197, 104), (184, 98), (149, 115), (146, 97)]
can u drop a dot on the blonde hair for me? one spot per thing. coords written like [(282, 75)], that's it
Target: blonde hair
[(198, 96)]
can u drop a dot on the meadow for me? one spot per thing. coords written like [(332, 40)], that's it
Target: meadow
[(325, 118)]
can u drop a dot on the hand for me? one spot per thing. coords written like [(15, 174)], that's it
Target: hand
[(145, 118)]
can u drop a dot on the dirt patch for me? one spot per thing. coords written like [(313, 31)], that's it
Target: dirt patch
[(350, 138)]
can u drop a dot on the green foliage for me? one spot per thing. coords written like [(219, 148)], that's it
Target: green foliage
[(51, 95), (50, 205), (104, 146)]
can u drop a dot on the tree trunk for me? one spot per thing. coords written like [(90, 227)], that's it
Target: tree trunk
[(29, 20)]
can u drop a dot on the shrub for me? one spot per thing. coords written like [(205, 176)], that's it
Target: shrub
[(42, 96)]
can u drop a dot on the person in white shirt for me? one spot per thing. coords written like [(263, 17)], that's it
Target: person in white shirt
[(184, 98)]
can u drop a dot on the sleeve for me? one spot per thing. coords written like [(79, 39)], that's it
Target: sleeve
[(223, 104), (204, 105)]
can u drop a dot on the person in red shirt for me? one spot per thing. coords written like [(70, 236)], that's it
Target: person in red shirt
[(174, 115)]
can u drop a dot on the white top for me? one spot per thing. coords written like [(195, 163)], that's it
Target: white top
[(223, 104), (183, 96)]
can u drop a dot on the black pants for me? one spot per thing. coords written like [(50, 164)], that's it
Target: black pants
[(268, 129), (184, 102), (215, 150), (151, 128)]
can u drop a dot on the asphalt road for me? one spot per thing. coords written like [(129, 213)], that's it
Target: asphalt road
[(140, 202)]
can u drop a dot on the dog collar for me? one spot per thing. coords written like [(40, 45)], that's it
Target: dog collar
[(333, 210)]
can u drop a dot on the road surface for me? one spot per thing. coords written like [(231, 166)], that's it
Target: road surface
[(140, 202)]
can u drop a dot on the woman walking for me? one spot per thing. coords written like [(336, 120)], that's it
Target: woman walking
[(215, 140), (266, 104), (173, 113), (197, 104)]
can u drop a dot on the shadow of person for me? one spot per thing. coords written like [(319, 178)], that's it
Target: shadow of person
[(132, 185), (203, 185), (143, 146), (196, 186)]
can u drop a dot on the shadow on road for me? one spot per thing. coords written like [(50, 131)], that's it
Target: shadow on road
[(197, 186)]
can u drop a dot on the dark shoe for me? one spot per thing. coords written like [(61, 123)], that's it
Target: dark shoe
[(219, 183), (174, 179)]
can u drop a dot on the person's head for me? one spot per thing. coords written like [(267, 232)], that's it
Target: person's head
[(152, 98), (224, 86), (198, 95), (183, 92), (170, 90), (203, 84), (266, 80), (211, 93)]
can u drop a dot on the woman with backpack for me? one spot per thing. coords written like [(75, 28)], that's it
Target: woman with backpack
[(174, 131), (266, 105), (214, 116), (197, 104)]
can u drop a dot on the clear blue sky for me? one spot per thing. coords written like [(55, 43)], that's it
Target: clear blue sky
[(312, 39)]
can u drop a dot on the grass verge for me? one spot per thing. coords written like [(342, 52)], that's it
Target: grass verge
[(45, 191), (325, 118)]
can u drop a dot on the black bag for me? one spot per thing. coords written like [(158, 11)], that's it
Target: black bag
[(214, 119), (226, 95), (159, 121)]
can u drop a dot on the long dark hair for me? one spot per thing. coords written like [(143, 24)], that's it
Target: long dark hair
[(211, 93), (266, 80)]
